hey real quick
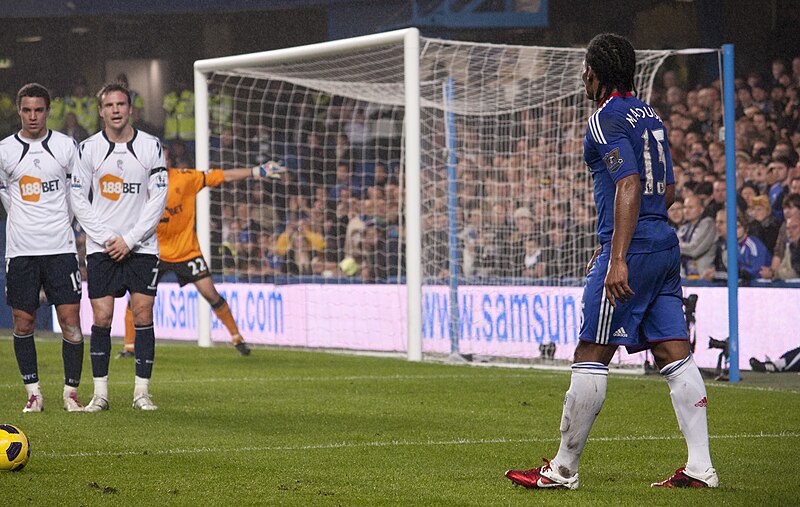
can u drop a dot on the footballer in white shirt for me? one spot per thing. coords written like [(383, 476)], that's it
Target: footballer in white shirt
[(126, 172), (35, 170)]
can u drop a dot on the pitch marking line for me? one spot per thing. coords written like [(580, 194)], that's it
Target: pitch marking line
[(395, 443), (371, 378)]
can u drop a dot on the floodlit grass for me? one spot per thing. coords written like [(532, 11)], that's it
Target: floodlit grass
[(307, 428)]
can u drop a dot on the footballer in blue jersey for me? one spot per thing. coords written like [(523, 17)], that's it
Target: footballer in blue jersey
[(625, 138), (633, 291)]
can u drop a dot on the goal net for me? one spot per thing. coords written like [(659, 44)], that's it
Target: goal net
[(500, 199)]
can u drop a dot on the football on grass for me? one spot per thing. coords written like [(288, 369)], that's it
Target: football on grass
[(14, 448)]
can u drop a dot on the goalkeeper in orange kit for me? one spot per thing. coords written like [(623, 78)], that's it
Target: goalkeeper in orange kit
[(178, 246)]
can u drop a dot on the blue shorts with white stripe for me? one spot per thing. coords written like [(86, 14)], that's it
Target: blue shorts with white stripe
[(654, 313)]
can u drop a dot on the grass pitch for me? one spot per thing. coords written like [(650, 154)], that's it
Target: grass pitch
[(308, 428)]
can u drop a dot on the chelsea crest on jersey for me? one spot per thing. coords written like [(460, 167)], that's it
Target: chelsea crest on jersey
[(129, 188), (34, 187)]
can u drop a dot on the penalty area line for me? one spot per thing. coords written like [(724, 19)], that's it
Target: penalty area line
[(391, 443)]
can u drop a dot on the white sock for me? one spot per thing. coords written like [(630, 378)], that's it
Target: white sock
[(33, 389), (101, 387), (140, 386), (69, 390), (587, 392), (689, 400)]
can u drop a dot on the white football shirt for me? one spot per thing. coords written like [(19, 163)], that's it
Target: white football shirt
[(34, 175), (129, 188)]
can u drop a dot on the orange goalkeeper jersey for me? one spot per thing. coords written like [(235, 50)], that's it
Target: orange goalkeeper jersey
[(177, 239)]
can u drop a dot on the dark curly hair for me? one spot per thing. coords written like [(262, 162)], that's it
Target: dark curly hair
[(613, 60), (33, 90)]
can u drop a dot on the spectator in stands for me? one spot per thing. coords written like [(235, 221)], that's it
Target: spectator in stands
[(357, 129), (791, 208), (314, 161), (73, 129), (778, 172), (141, 124), (494, 255), (760, 98), (716, 154), (794, 185), (534, 262), (179, 157), (470, 245), (762, 224), (356, 212), (677, 136), (717, 201), (765, 130), (758, 178), (517, 241), (342, 149), (675, 96), (342, 184), (303, 242), (228, 249), (781, 267), (178, 107), (271, 262), (374, 267), (220, 112), (789, 267), (434, 236), (752, 254), (380, 176), (698, 169), (561, 254), (56, 116), (299, 252), (747, 192), (784, 150), (84, 106), (675, 215), (696, 237), (777, 70)]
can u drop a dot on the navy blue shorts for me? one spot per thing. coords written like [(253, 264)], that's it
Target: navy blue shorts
[(57, 274), (655, 312), (188, 271), (136, 273)]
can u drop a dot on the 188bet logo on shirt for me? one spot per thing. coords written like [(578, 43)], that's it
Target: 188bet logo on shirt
[(112, 187), (32, 188)]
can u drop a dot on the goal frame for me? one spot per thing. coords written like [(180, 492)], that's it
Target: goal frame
[(410, 39)]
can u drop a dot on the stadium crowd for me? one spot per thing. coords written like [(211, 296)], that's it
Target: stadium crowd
[(337, 212)]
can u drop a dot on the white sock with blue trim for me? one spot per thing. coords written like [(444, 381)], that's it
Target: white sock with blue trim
[(688, 393), (584, 399)]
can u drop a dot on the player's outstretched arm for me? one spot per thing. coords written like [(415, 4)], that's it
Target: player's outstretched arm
[(271, 170), (239, 174)]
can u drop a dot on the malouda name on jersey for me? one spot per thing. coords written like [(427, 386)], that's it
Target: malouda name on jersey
[(625, 136), (34, 176), (129, 187)]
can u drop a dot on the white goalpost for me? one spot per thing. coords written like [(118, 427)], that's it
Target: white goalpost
[(435, 198)]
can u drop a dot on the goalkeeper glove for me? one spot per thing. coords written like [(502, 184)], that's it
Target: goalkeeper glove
[(270, 169)]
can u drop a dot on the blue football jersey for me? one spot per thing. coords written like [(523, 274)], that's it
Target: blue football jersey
[(625, 136)]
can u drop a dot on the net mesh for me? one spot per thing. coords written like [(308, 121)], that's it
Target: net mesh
[(524, 209)]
